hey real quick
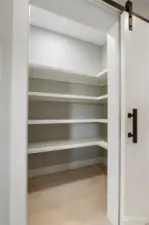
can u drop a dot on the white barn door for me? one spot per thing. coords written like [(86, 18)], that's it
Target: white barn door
[(135, 102)]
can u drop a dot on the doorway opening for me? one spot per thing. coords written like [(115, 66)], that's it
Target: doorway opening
[(71, 173)]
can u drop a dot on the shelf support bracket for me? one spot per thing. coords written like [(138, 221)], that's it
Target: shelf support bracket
[(129, 9)]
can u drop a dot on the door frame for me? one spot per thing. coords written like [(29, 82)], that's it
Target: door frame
[(18, 17), (19, 23), (19, 112)]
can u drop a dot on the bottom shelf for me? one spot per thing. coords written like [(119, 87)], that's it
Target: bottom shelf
[(66, 144)]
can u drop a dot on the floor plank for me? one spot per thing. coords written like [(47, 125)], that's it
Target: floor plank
[(75, 197)]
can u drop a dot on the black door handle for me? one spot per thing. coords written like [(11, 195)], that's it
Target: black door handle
[(134, 134)]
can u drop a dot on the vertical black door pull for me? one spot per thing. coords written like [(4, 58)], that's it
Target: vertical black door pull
[(134, 134)]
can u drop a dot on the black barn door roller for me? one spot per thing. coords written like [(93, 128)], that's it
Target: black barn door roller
[(128, 8)]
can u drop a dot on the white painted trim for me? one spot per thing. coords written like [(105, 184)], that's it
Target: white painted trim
[(19, 111), (114, 102), (63, 167)]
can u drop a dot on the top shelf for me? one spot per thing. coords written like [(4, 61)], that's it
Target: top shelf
[(51, 73)]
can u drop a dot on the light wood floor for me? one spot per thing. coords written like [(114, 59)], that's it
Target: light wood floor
[(70, 198)]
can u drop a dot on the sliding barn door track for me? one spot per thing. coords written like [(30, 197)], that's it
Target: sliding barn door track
[(128, 8)]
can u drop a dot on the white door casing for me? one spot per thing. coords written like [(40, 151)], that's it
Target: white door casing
[(13, 111), (19, 113), (113, 47)]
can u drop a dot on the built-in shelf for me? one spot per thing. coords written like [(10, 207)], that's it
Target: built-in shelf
[(66, 121), (102, 73), (40, 96), (58, 74), (66, 144)]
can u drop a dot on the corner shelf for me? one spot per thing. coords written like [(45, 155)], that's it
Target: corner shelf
[(58, 74), (66, 144), (41, 96), (102, 73), (66, 121)]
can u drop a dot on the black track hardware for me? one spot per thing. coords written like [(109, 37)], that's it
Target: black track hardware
[(128, 8)]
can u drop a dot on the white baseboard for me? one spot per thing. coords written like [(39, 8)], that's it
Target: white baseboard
[(63, 167)]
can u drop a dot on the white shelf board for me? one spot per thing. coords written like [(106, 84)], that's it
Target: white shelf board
[(102, 74), (103, 144), (40, 96), (58, 74), (65, 144), (66, 121)]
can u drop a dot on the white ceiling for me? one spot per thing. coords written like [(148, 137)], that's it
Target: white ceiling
[(49, 20), (80, 18), (81, 11), (91, 15)]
